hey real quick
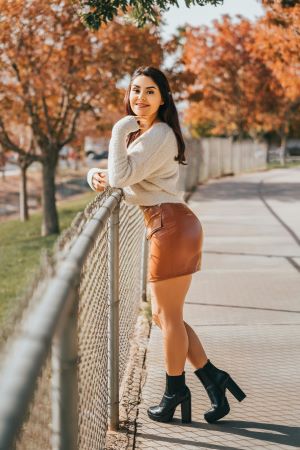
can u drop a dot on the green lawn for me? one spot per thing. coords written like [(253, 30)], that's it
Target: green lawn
[(287, 165), (20, 249)]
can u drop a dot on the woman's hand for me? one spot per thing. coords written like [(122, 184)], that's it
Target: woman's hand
[(99, 181), (129, 124), (144, 122)]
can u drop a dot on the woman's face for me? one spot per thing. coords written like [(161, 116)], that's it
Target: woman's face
[(145, 98)]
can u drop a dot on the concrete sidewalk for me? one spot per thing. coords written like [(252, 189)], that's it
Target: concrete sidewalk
[(245, 306)]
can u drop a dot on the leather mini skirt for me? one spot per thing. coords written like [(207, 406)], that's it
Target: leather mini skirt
[(176, 237)]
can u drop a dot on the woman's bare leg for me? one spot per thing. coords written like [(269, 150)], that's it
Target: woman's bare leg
[(180, 340)]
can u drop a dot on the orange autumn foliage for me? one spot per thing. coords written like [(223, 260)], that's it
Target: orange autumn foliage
[(277, 38), (53, 68), (233, 88), (57, 79), (244, 84)]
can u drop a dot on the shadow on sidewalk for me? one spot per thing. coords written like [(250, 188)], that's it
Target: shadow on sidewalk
[(265, 432)]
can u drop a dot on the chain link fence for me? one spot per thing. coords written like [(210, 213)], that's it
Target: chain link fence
[(67, 353), (48, 409)]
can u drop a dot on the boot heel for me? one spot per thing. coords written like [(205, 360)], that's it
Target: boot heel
[(186, 411), (235, 390)]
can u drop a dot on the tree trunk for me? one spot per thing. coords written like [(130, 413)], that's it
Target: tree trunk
[(284, 150), (24, 216), (50, 223), (268, 151), (283, 140)]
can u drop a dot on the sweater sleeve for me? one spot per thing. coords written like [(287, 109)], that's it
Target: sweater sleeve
[(148, 155)]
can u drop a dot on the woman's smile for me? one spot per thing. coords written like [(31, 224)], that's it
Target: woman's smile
[(145, 95)]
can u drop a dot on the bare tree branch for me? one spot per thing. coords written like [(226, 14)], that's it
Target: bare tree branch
[(47, 118), (73, 127), (10, 145)]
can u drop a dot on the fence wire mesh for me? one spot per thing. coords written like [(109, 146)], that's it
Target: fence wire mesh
[(131, 241), (36, 430), (92, 341), (93, 290)]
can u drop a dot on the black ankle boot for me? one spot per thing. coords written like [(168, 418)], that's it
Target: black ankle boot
[(215, 382), (176, 393)]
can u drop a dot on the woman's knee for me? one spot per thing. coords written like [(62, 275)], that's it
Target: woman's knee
[(168, 319), (161, 319)]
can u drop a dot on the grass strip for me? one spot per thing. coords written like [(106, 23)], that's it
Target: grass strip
[(21, 244)]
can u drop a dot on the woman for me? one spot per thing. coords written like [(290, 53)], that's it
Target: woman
[(145, 151)]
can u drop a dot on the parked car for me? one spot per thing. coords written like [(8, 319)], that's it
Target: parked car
[(96, 156), (293, 147)]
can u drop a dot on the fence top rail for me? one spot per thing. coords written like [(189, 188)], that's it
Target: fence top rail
[(22, 363)]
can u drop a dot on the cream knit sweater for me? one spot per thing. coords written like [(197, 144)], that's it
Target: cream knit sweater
[(146, 170)]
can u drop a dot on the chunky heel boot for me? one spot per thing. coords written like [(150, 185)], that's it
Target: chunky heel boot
[(219, 403), (224, 381), (235, 389), (186, 410), (215, 382), (176, 393)]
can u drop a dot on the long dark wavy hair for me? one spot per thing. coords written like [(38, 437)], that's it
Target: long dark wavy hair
[(167, 112)]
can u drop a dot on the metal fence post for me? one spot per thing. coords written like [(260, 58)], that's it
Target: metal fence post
[(64, 358), (113, 321), (145, 254)]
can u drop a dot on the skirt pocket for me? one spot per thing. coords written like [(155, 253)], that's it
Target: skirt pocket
[(153, 223)]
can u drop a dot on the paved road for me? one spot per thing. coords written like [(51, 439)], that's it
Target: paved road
[(245, 307)]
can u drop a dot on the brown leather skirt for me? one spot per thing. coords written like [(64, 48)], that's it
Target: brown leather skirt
[(176, 236)]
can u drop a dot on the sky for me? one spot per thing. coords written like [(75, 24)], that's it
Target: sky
[(203, 15)]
